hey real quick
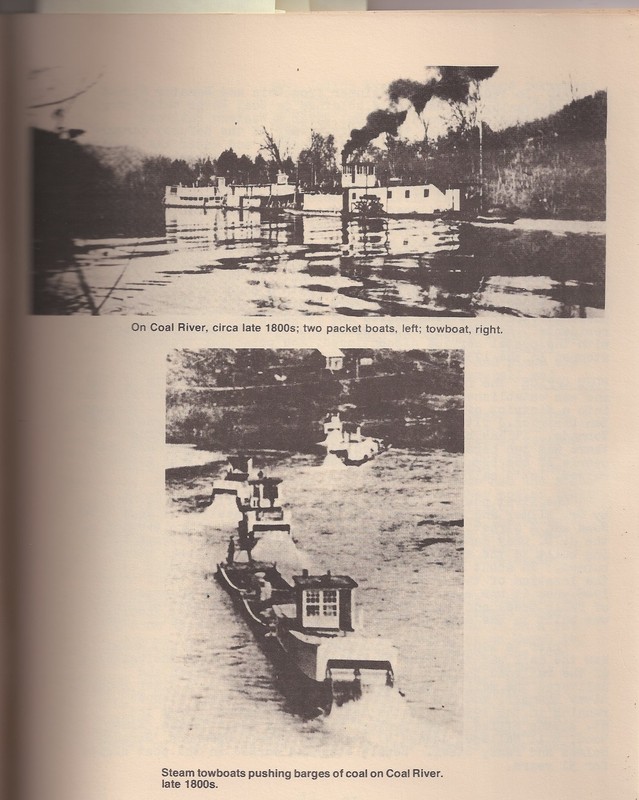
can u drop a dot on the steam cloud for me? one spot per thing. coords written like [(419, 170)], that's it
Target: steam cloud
[(452, 84)]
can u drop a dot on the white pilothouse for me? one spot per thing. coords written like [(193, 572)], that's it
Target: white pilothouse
[(346, 441)]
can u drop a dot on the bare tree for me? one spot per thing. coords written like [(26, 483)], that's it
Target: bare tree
[(270, 146)]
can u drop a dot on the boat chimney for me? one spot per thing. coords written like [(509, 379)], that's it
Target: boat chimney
[(304, 573)]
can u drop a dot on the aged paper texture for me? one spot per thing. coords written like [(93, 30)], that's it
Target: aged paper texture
[(391, 257)]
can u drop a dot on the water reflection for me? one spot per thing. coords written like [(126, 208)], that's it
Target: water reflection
[(251, 263)]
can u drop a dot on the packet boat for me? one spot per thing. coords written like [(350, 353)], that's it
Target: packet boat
[(346, 441)]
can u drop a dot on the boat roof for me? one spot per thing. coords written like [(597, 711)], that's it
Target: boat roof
[(326, 581), (331, 352), (265, 480), (239, 462)]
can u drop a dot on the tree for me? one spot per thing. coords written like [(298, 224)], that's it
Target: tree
[(318, 163), (227, 165), (204, 171), (260, 172), (270, 146), (245, 168), (288, 166)]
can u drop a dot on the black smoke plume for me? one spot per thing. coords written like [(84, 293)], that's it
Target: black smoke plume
[(380, 121), (452, 84), (417, 93)]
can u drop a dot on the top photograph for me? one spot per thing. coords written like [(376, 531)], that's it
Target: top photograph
[(431, 165)]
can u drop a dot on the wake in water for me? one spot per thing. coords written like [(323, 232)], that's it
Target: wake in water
[(381, 722), (277, 548), (223, 510), (332, 463)]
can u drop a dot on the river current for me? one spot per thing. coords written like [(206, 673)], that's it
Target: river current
[(245, 263)]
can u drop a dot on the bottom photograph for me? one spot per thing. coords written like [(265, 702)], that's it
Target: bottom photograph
[(315, 537)]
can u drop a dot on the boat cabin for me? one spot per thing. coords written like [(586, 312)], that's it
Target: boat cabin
[(265, 492), (235, 479), (332, 422), (324, 602), (240, 467), (256, 524), (262, 511), (359, 174), (213, 195), (352, 432)]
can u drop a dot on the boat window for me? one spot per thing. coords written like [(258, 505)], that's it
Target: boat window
[(426, 192), (354, 195), (389, 193), (312, 603), (173, 189), (407, 193), (329, 604)]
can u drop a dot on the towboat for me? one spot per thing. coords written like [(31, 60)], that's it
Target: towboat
[(305, 625), (236, 479), (262, 512), (346, 441)]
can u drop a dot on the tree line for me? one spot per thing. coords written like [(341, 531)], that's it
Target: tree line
[(549, 167)]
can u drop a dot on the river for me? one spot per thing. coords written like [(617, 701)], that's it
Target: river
[(245, 263), (396, 526)]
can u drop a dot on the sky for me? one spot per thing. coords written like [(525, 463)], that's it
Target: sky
[(187, 87)]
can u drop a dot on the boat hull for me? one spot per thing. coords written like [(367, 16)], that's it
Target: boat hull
[(307, 697), (340, 681)]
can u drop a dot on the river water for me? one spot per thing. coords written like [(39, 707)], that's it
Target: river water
[(395, 525), (246, 263)]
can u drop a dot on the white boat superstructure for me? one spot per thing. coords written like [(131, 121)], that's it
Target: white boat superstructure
[(235, 481), (346, 441), (211, 196), (317, 634), (218, 194)]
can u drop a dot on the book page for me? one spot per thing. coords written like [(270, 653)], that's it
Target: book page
[(326, 411)]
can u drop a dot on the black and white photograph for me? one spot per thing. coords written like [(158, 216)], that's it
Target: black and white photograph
[(353, 165), (315, 531)]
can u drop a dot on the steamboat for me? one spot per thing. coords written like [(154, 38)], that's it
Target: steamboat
[(219, 194), (236, 479), (346, 441)]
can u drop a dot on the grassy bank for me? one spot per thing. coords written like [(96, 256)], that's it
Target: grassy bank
[(409, 400)]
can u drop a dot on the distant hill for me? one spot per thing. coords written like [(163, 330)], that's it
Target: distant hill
[(120, 160), (583, 119), (551, 167)]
